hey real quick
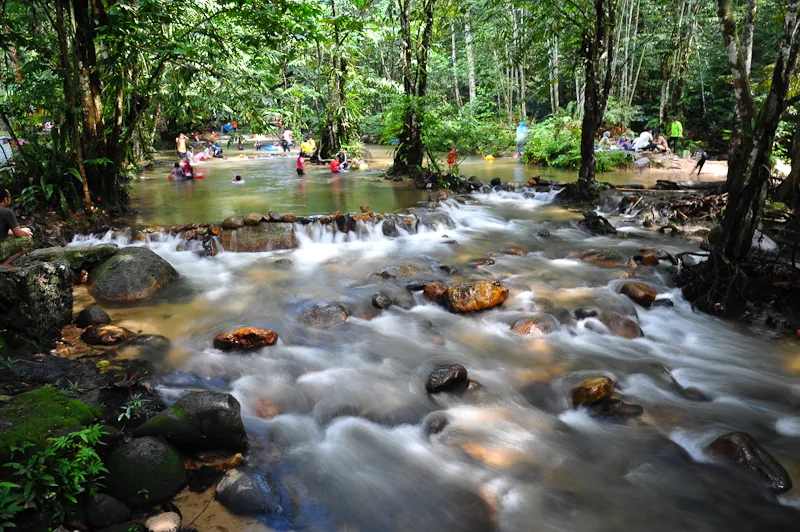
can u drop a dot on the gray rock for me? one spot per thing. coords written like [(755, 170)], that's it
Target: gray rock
[(741, 449), (198, 422), (642, 162), (145, 471), (104, 511), (265, 236), (324, 315), (78, 257), (92, 315), (389, 228), (243, 493), (437, 220), (381, 301), (133, 274), (166, 522)]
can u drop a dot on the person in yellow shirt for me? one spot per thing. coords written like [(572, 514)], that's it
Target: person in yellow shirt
[(308, 146)]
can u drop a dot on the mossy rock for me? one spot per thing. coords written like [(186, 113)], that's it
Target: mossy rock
[(133, 274), (35, 415), (78, 257), (145, 471)]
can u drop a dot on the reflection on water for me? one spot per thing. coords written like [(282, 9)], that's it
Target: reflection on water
[(348, 449)]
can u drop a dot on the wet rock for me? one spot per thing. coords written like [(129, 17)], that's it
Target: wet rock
[(200, 421), (397, 271), (416, 286), (597, 225), (245, 339), (451, 270), (79, 257), (233, 222), (289, 218), (145, 471), (435, 423), (615, 410), (242, 492), (253, 218), (273, 216), (133, 274), (104, 511), (496, 182), (324, 315), (92, 315), (215, 229), (620, 325), (434, 291), (263, 237), (389, 228), (475, 296), (544, 233), (514, 251), (105, 335), (152, 348), (536, 326), (607, 258), (364, 208), (650, 259), (663, 302), (166, 522), (447, 378), (35, 304), (583, 313), (437, 220), (381, 301), (743, 450), (639, 292), (592, 391), (478, 263)]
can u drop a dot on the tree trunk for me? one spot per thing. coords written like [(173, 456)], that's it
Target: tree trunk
[(456, 91), (470, 61), (554, 104), (749, 29), (748, 177)]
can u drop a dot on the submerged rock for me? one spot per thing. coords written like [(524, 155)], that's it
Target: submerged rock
[(448, 378), (105, 335), (244, 492), (265, 236), (475, 296), (133, 274), (592, 391), (620, 325), (583, 313), (607, 258), (615, 410), (92, 315), (536, 326), (245, 339), (639, 292), (397, 271), (437, 220), (741, 449), (200, 421), (514, 251), (324, 315), (381, 301), (145, 471), (663, 302), (435, 423), (104, 511), (152, 348)]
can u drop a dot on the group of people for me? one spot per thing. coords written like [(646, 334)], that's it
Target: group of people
[(646, 141)]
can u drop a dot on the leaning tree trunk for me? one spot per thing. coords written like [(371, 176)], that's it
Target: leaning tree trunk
[(748, 182)]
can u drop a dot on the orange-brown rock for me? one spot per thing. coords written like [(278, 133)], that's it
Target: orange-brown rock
[(289, 218), (266, 409), (620, 325), (434, 291), (364, 208), (215, 229), (474, 296), (650, 259), (639, 293), (246, 339), (592, 391), (105, 335), (607, 258), (533, 181), (514, 251), (536, 326)]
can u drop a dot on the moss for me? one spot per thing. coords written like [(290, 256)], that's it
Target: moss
[(34, 415)]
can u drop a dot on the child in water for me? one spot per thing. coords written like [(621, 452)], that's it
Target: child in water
[(238, 180), (335, 166), (176, 174), (301, 164)]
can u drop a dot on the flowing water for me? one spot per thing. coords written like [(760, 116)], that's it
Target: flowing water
[(337, 416)]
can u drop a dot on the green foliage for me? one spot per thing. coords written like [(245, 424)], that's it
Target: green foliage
[(53, 479), (132, 407)]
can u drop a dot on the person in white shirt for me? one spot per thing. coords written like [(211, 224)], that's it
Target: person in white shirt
[(643, 140)]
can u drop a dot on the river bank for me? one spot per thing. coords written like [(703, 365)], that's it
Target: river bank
[(365, 315)]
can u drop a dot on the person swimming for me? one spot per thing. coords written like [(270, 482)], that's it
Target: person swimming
[(238, 180)]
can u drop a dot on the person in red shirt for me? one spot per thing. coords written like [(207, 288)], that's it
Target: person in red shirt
[(451, 158), (301, 164), (188, 171), (335, 165)]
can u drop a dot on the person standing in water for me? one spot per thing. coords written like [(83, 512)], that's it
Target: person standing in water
[(522, 134), (180, 144), (301, 164)]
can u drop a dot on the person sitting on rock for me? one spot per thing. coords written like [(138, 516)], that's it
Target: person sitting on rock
[(14, 240)]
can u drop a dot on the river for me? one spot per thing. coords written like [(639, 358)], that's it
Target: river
[(337, 416)]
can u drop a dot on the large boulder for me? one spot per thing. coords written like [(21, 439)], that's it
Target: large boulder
[(133, 274), (35, 304), (265, 236), (639, 292), (78, 257), (245, 492), (741, 449), (92, 315), (104, 511), (145, 471), (324, 315), (245, 339), (198, 422), (475, 296)]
